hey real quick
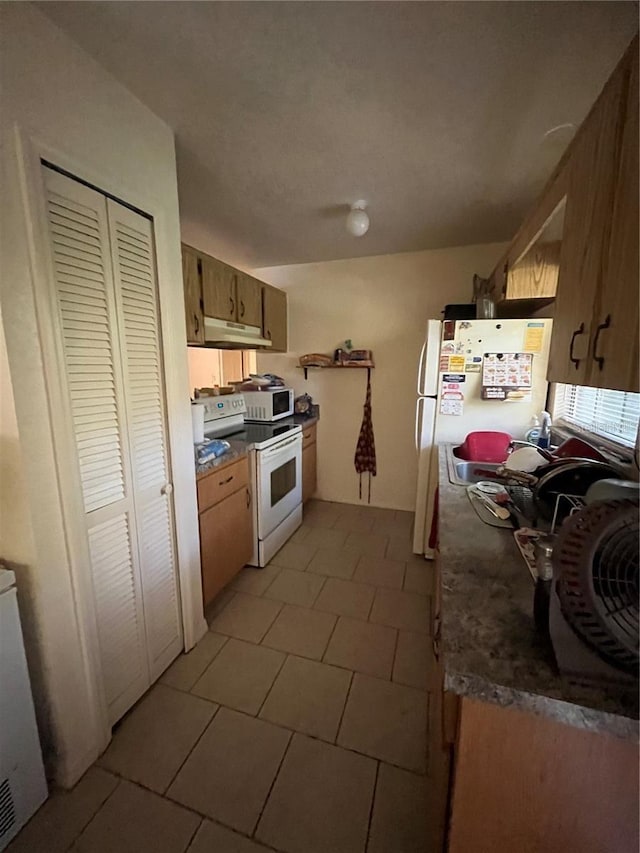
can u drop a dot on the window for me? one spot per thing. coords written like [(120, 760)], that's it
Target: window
[(613, 415)]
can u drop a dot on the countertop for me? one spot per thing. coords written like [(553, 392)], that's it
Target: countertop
[(490, 648), (240, 448)]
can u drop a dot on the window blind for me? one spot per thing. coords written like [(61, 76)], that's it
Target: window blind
[(611, 414)]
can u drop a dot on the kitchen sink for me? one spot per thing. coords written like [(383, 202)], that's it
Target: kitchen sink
[(462, 472)]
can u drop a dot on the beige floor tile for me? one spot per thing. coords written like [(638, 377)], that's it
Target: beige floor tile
[(404, 519), (415, 663), (255, 581), (321, 513), (308, 697), (387, 721), (213, 838), (326, 537), (294, 587), (301, 534), (136, 821), (380, 572), (399, 819), (295, 555), (219, 603), (240, 676), (300, 631), (321, 800), (230, 772), (246, 617), (403, 610), (419, 577), (187, 669), (400, 547), (362, 646), (57, 824), (372, 544), (334, 562), (354, 523), (378, 514), (141, 750), (346, 598)]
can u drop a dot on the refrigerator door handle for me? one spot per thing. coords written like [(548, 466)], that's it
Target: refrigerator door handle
[(418, 424)]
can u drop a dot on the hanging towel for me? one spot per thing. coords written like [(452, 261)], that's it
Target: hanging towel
[(365, 458)]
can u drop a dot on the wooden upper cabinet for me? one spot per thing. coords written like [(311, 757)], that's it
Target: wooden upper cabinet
[(614, 346), (274, 306), (193, 306), (218, 289), (536, 274), (588, 222), (249, 300)]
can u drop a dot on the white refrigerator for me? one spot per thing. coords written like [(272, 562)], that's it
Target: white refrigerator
[(473, 375)]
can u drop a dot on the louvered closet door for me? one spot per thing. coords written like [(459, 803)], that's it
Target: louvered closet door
[(84, 291), (132, 250)]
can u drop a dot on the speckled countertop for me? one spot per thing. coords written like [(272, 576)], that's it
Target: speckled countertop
[(490, 647), (240, 448)]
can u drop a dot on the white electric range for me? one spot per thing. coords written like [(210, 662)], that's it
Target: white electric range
[(275, 460)]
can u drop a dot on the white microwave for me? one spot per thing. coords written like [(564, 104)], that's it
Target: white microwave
[(268, 405)]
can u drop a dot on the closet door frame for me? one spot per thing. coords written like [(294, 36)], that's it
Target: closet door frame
[(76, 720)]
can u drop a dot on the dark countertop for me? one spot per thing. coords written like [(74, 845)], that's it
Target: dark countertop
[(490, 648), (239, 448)]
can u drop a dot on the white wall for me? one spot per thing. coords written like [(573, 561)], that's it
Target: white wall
[(57, 102), (382, 304)]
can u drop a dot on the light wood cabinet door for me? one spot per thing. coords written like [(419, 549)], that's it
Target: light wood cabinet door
[(274, 304), (589, 211), (193, 306), (532, 784), (536, 274), (309, 472), (218, 289), (249, 300), (614, 345), (226, 541)]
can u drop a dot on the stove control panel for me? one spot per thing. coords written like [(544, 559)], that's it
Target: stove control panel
[(223, 406)]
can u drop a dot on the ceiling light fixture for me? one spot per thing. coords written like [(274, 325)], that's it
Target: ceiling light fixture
[(358, 219)]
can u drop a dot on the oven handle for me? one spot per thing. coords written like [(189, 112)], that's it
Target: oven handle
[(272, 452)]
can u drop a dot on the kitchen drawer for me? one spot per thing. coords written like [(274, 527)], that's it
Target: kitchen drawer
[(308, 435), (221, 483)]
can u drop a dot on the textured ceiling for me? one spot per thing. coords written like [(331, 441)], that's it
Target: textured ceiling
[(284, 113)]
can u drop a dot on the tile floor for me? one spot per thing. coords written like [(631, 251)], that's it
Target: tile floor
[(298, 724)]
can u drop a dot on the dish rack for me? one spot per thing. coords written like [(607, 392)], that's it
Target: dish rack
[(575, 502)]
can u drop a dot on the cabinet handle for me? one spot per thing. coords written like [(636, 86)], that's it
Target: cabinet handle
[(224, 482), (578, 331), (600, 358), (197, 324), (241, 308), (248, 498), (233, 305)]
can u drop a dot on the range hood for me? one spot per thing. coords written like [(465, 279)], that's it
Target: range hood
[(228, 335)]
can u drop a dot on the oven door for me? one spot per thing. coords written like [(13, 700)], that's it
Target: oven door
[(281, 403), (279, 470)]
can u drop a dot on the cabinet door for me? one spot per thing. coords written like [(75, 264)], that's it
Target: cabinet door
[(192, 283), (249, 294), (614, 348), (218, 289), (275, 317), (226, 541), (585, 241), (309, 472)]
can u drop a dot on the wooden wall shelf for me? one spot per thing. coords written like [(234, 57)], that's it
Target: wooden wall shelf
[(354, 365)]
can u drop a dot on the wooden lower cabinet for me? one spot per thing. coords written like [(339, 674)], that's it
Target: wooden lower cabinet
[(531, 784), (309, 463), (226, 538)]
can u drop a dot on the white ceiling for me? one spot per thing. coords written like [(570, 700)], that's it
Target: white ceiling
[(284, 113)]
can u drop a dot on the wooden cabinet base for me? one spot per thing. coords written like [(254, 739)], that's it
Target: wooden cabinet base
[(530, 784), (309, 471), (226, 541)]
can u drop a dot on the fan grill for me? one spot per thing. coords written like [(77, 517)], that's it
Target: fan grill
[(596, 564)]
